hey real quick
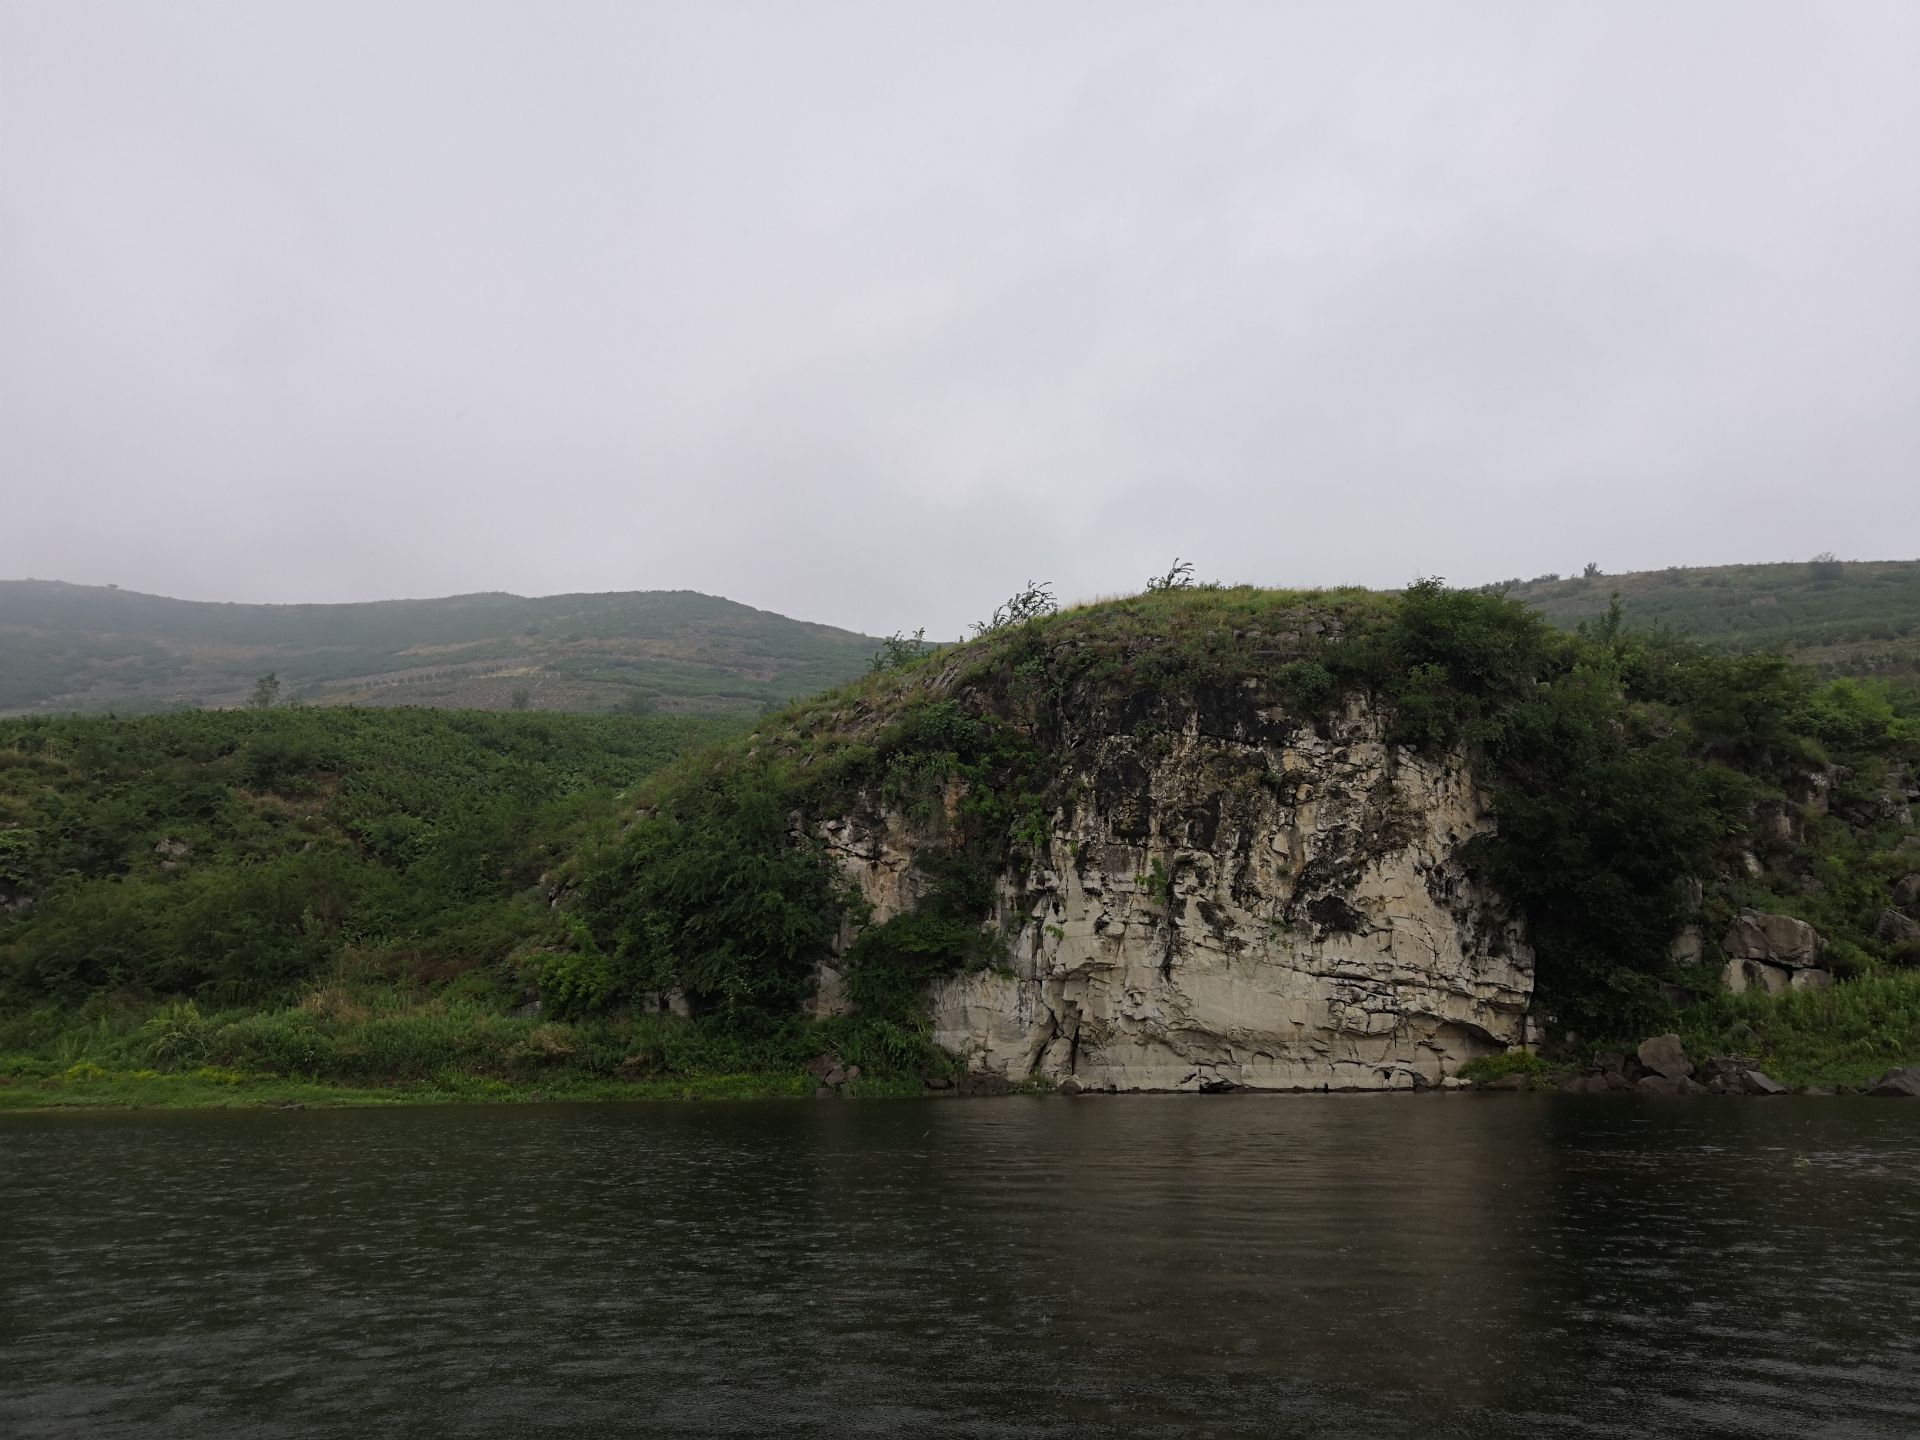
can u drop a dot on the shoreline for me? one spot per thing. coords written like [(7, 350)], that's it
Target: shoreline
[(149, 1091)]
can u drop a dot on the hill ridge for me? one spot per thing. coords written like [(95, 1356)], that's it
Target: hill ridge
[(65, 646)]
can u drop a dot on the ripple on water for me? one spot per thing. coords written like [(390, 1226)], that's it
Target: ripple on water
[(1244, 1265)]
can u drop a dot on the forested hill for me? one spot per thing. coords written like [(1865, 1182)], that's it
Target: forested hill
[(83, 647), (1842, 617)]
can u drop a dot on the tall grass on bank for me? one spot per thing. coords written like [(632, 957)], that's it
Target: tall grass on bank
[(1846, 1035), (373, 1041)]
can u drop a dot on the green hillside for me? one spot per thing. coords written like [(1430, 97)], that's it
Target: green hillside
[(228, 854), (1840, 617), (79, 647), (319, 896)]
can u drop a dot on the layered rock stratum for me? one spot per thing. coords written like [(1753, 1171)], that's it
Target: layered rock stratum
[(1240, 897)]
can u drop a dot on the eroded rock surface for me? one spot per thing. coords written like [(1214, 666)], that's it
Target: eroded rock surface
[(1773, 953), (1249, 901)]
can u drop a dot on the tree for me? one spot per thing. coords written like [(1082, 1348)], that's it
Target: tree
[(1592, 571), (1180, 577), (522, 697), (899, 649), (266, 692), (1029, 604)]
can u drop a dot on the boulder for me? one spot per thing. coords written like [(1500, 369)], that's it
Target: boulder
[(1688, 946), (939, 1082), (1756, 1082), (1904, 1083), (1069, 1086), (1906, 894), (1610, 1062), (1516, 1081), (1811, 980), (1669, 1085), (1774, 939), (1896, 928), (1726, 1067), (1665, 1056), (984, 1083), (1741, 976)]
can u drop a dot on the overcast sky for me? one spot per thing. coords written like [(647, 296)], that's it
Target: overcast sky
[(867, 313)]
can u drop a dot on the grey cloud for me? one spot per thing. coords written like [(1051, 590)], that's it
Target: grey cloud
[(867, 313)]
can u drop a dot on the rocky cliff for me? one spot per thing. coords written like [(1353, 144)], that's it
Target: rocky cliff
[(1232, 896)]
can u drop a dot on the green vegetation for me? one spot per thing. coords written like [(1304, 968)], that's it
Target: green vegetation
[(331, 897), (362, 1043), (1489, 1068), (232, 857), (89, 648), (276, 903), (1847, 1035), (1627, 768), (1840, 617)]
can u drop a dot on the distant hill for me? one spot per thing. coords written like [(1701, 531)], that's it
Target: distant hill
[(83, 647), (1842, 617)]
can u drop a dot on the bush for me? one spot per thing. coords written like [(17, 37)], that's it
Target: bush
[(177, 1034), (1488, 1068)]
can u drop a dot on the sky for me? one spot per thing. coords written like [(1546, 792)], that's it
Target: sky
[(871, 313)]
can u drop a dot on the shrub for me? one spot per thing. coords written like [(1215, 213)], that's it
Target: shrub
[(176, 1034)]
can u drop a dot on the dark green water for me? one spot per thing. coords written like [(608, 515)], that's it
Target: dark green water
[(1313, 1266)]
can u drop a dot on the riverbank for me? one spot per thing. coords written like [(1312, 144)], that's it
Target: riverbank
[(87, 1086), (345, 1046)]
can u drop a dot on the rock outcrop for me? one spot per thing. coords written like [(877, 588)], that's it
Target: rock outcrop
[(1244, 900), (1903, 1083), (1773, 953), (1664, 1055)]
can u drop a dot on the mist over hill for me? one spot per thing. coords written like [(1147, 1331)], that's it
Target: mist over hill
[(83, 647)]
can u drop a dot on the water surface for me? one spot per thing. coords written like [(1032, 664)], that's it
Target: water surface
[(1141, 1265)]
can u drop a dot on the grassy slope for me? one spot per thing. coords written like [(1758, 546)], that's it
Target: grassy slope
[(1852, 618), (231, 855), (74, 647), (321, 906)]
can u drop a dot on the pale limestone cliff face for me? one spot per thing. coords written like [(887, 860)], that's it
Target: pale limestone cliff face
[(1250, 900)]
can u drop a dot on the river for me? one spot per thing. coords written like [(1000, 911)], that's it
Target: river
[(1382, 1266)]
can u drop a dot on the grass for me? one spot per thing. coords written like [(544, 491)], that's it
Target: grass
[(95, 1087), (371, 1047), (1847, 1035), (1488, 1068)]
